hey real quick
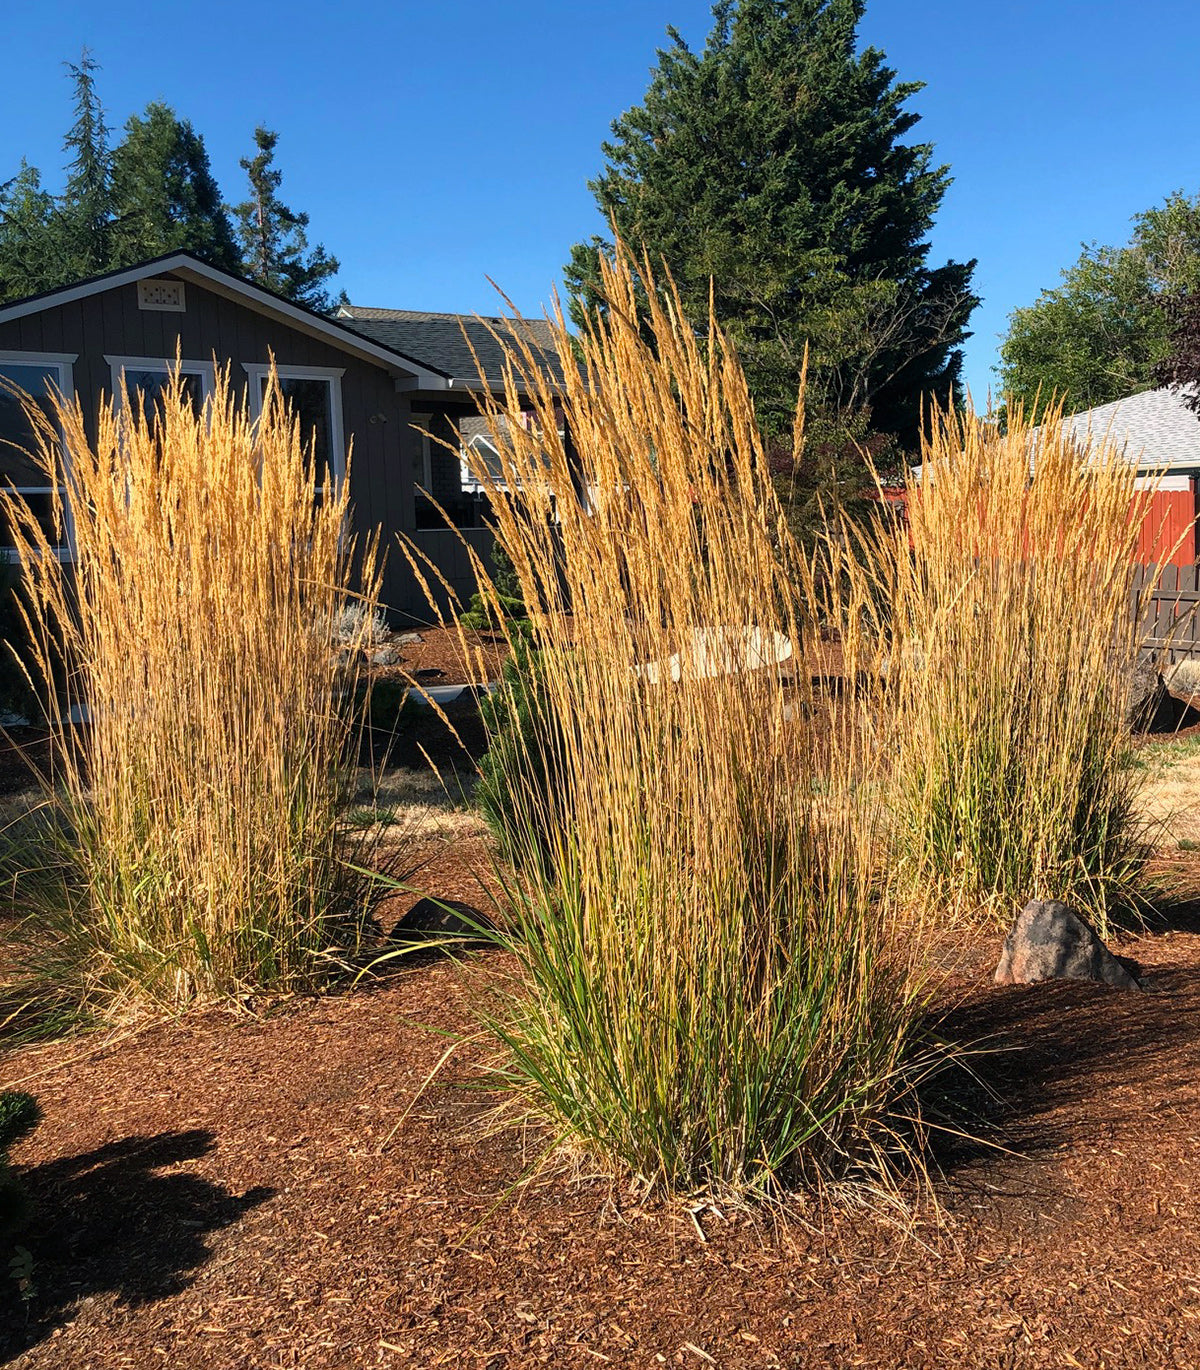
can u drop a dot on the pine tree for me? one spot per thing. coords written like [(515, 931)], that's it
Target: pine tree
[(86, 214), (774, 162), (166, 195), (273, 238), (31, 248)]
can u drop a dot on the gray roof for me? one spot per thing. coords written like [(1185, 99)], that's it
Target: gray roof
[(1156, 428), (441, 340)]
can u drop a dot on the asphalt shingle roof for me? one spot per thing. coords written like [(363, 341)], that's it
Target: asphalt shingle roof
[(438, 339), (1156, 428)]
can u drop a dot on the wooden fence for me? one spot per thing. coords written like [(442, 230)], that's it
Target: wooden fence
[(1166, 600)]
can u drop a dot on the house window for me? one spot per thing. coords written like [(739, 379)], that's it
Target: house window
[(421, 423), (314, 395), (146, 378), (38, 375)]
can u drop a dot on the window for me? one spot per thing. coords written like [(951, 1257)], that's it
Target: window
[(314, 395), (147, 377), (38, 375), (421, 422)]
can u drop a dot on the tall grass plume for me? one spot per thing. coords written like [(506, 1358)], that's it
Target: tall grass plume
[(713, 994), (198, 662), (1008, 595)]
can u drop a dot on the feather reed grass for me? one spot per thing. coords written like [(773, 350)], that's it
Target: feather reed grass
[(714, 995), (202, 636), (1008, 598)]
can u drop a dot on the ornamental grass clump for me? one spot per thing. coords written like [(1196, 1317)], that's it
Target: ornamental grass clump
[(202, 637), (1014, 644), (713, 995)]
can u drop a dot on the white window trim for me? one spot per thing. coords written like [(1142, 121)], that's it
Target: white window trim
[(64, 362), (164, 366), (258, 372), (421, 423)]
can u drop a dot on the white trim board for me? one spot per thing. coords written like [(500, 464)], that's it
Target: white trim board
[(258, 372), (163, 365)]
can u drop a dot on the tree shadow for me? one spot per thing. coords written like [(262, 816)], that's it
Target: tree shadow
[(106, 1222), (1049, 1064)]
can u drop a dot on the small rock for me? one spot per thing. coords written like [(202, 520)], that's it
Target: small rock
[(441, 918), (408, 639), (1048, 942), (385, 656)]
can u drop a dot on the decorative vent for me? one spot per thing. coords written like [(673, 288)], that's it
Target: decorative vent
[(160, 293)]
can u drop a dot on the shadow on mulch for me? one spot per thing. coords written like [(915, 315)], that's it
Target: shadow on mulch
[(106, 1222), (1045, 1053)]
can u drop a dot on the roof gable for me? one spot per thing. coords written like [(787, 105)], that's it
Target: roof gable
[(190, 268)]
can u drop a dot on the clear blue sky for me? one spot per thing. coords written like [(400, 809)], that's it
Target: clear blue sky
[(440, 143)]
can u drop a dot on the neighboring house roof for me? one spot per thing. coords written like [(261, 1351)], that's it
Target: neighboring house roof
[(448, 340), (416, 373), (1156, 428)]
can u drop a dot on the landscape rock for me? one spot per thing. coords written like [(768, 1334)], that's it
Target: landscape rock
[(409, 639), (432, 918), (1144, 693), (1048, 942), (385, 656)]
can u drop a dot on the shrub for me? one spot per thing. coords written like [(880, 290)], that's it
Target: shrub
[(713, 992), (522, 788), (361, 626), (1009, 598), (19, 1115), (498, 602), (198, 814)]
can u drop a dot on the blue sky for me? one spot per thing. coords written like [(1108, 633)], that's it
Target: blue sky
[(437, 144)]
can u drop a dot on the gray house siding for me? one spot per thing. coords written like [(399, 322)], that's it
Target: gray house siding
[(384, 451)]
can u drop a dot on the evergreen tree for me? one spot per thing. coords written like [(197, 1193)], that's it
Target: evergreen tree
[(166, 195), (773, 162), (273, 238), (85, 217), (31, 248)]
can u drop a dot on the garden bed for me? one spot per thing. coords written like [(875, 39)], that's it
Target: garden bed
[(289, 1190)]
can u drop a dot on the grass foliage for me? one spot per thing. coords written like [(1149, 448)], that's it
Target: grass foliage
[(203, 634), (1008, 598), (714, 995)]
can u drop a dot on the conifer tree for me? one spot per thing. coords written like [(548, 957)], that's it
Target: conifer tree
[(31, 247), (774, 162), (166, 195), (274, 241), (86, 211)]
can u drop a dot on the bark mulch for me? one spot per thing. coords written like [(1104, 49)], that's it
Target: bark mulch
[(281, 1191)]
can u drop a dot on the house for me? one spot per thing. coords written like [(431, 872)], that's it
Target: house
[(391, 386), (1159, 431)]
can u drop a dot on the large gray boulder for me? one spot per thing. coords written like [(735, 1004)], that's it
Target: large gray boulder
[(437, 918), (1048, 942), (1144, 692)]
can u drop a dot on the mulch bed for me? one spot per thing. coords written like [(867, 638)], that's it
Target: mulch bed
[(437, 658), (292, 1190)]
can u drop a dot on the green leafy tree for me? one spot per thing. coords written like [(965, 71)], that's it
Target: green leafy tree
[(85, 215), (1105, 331), (274, 239), (166, 195), (774, 163)]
